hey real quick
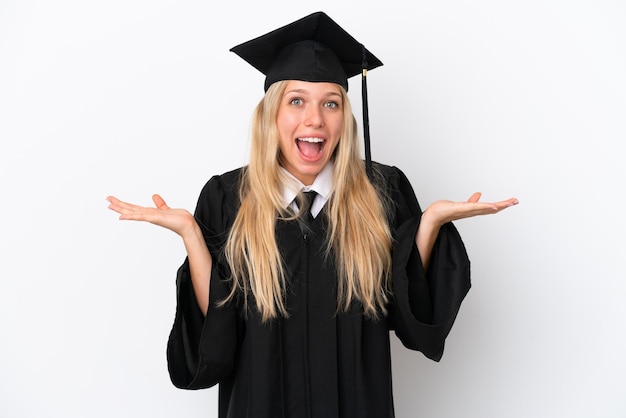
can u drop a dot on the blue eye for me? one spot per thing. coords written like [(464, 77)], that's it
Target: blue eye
[(331, 105), (296, 102)]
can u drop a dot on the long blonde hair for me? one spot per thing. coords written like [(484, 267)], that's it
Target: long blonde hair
[(362, 254)]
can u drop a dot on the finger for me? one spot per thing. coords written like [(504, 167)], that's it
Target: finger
[(159, 202), (507, 203), (475, 197), (512, 201), (498, 206), (119, 205), (113, 200), (122, 207), (115, 204)]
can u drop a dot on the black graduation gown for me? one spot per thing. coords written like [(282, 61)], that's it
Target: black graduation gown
[(316, 363)]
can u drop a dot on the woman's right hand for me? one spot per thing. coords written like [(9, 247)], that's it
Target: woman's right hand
[(178, 220), (184, 224)]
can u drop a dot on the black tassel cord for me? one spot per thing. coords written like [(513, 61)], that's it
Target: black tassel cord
[(366, 121)]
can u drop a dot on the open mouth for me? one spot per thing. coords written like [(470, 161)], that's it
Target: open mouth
[(310, 147)]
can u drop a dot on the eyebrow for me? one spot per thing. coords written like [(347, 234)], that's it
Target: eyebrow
[(304, 91)]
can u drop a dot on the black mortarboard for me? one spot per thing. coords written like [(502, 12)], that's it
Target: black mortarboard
[(313, 48)]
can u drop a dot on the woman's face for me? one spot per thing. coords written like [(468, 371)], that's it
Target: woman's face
[(310, 123)]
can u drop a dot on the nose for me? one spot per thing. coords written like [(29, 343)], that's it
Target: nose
[(314, 117)]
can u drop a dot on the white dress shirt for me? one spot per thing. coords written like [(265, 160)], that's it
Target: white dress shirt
[(323, 186)]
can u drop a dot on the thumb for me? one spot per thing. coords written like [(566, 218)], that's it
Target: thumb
[(475, 197), (159, 202)]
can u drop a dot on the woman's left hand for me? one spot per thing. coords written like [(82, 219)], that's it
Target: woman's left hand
[(443, 211)]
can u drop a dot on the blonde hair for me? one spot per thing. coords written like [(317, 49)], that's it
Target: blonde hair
[(362, 255)]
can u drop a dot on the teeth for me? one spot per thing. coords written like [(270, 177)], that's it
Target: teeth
[(314, 140)]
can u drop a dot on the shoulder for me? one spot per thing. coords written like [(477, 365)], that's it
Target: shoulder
[(222, 190), (230, 177), (384, 168), (388, 176), (396, 191), (226, 183), (218, 202)]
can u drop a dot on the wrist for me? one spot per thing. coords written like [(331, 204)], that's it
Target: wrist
[(430, 221), (191, 231)]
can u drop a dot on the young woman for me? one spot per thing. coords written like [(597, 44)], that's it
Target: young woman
[(288, 304)]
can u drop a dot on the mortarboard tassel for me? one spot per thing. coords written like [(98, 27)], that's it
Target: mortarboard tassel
[(366, 122)]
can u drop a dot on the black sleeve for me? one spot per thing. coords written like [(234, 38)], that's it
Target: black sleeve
[(201, 350), (425, 303)]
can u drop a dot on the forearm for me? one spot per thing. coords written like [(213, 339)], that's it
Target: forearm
[(200, 264), (425, 238)]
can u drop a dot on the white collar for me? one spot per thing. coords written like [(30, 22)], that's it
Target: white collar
[(323, 186)]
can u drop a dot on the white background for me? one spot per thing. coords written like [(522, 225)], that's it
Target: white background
[(516, 98)]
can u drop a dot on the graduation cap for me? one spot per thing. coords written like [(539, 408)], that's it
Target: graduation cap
[(313, 48)]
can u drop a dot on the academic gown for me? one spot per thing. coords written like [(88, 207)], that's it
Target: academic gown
[(316, 363)]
